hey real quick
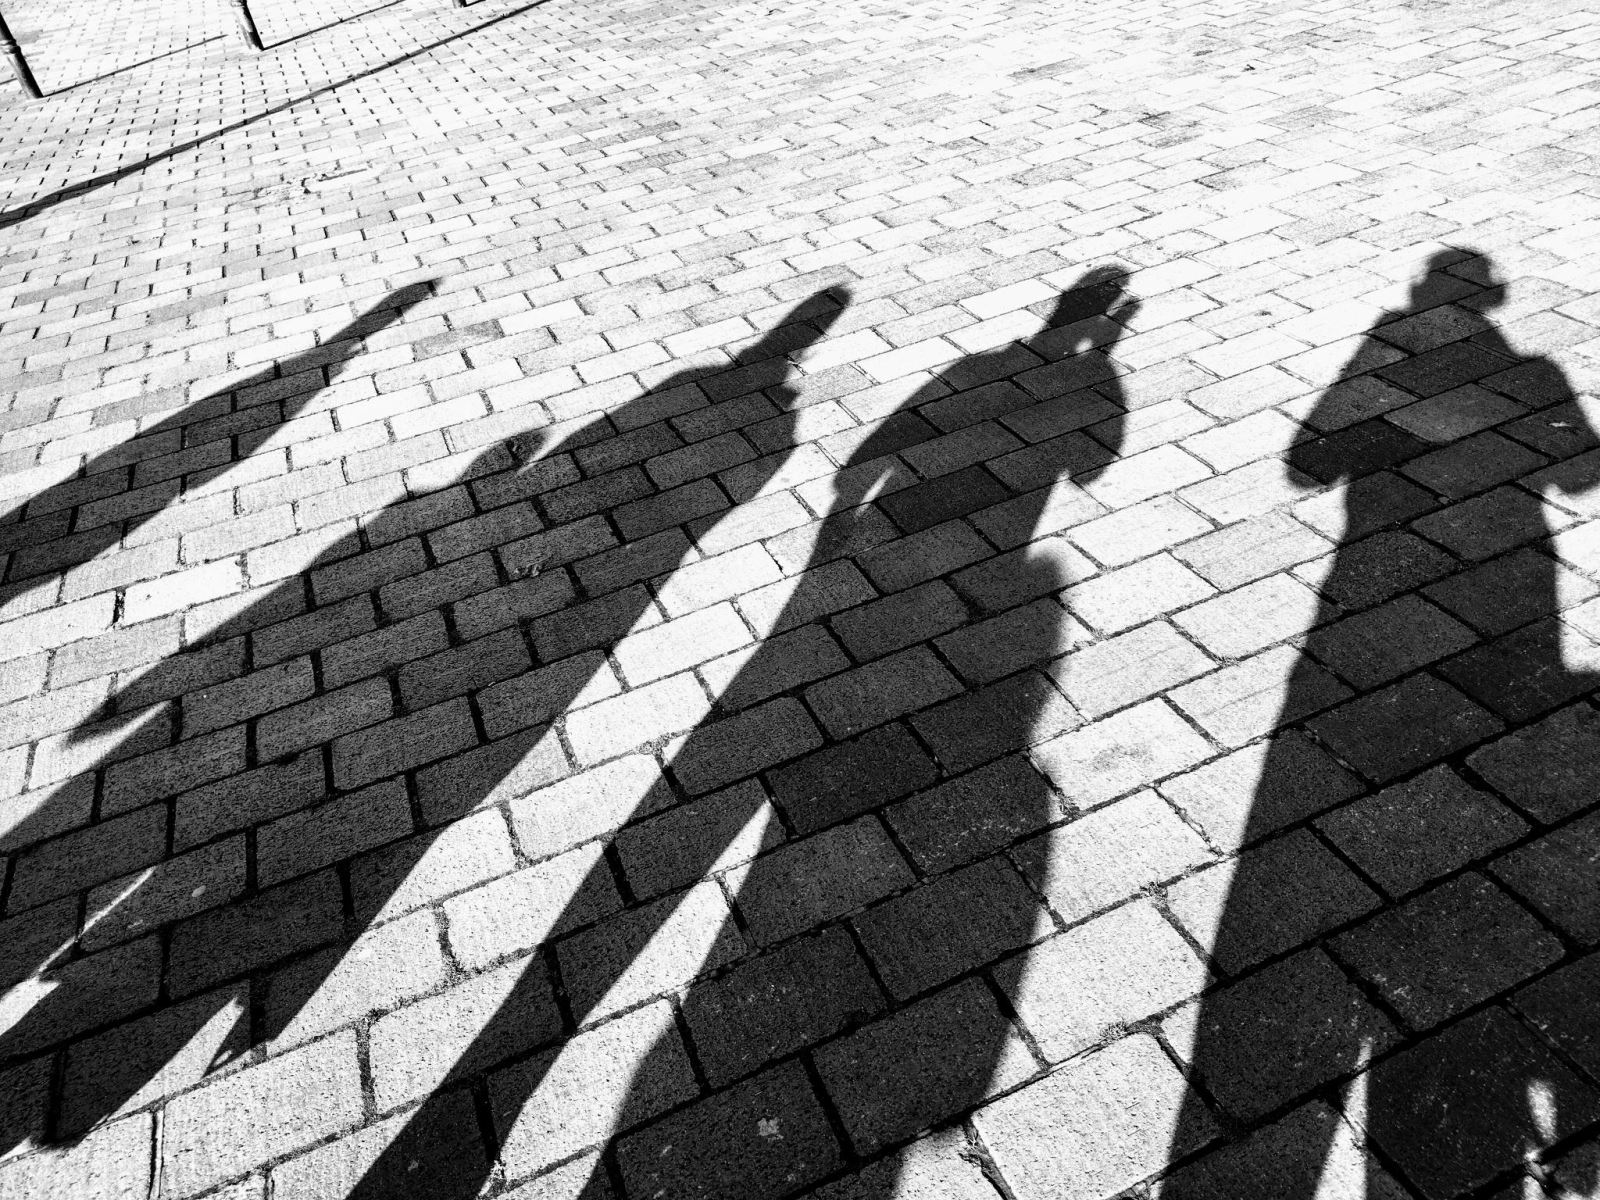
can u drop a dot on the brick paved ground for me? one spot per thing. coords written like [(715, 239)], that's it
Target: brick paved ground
[(909, 598)]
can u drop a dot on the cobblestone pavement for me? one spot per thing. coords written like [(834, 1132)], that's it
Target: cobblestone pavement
[(860, 600)]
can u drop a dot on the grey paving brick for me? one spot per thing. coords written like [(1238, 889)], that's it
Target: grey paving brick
[(1447, 949), (920, 1064), (815, 879)]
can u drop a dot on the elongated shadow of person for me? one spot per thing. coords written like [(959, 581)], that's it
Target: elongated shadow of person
[(1440, 614), (119, 493), (202, 965), (947, 1042)]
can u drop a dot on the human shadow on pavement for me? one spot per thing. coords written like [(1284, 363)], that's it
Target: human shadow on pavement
[(782, 798), (1408, 866), (577, 476), (118, 499)]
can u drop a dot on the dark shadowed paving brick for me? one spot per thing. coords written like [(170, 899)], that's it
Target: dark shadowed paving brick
[(1448, 949), (1062, 414), (994, 720), (781, 663), (178, 887), (1402, 727), (463, 669), (979, 369), (315, 837), (88, 856), (1042, 463), (178, 768), (1547, 769), (24, 1101), (676, 848), (255, 932), (32, 937), (1356, 450), (103, 1072), (367, 571), (538, 696), (1067, 376), (897, 432), (1473, 464), (844, 780), (1506, 592), (880, 691), (1282, 1032), (818, 878), (401, 743), (1453, 1111), (1487, 525), (1522, 674), (1561, 1006), (1277, 896), (589, 625), (899, 620), (631, 562), (1443, 368), (908, 561), (1384, 643), (968, 817), (948, 926), (54, 809), (1384, 565), (765, 1137), (248, 798), (1557, 875), (976, 404), (919, 1065), (770, 1006), (1022, 637), (596, 494), (391, 646), (524, 600), (91, 991), (1021, 575), (924, 505), (1413, 832), (719, 752)]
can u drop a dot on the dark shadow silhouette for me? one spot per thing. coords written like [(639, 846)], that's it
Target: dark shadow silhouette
[(62, 90), (893, 1078), (135, 482), (308, 911), (1438, 631), (33, 208)]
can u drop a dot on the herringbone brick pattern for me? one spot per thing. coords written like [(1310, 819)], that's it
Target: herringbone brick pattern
[(888, 599)]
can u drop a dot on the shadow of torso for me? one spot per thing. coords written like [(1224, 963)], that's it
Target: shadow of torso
[(1438, 630)]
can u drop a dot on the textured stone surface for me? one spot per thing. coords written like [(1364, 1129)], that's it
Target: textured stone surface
[(1089, 1129), (579, 579)]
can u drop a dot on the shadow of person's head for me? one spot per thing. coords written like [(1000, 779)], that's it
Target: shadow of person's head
[(1457, 274), (1093, 294), (771, 360), (1084, 395)]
